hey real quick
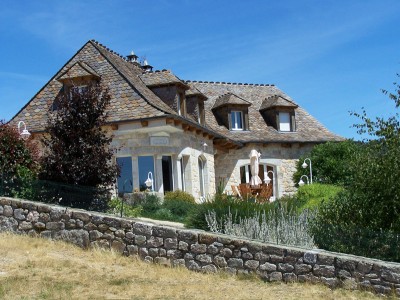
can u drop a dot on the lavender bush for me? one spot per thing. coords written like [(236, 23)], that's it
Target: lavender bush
[(279, 226)]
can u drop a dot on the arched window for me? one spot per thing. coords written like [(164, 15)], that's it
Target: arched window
[(263, 172), (202, 164)]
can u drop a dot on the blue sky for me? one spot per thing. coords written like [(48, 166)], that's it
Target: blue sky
[(331, 57)]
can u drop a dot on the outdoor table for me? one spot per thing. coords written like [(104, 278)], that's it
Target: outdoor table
[(255, 190)]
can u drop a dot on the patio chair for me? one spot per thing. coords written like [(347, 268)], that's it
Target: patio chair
[(235, 191), (266, 193), (245, 190)]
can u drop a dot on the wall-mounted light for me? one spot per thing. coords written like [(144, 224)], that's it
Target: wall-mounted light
[(267, 180), (24, 133), (301, 182), (149, 181), (204, 145)]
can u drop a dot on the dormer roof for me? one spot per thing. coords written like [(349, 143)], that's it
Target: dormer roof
[(193, 91), (308, 129), (230, 99), (277, 101), (79, 69), (160, 78), (133, 99)]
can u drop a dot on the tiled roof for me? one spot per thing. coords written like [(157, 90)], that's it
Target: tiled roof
[(131, 72), (79, 69), (159, 78), (229, 98), (277, 101), (132, 99), (308, 129), (193, 91)]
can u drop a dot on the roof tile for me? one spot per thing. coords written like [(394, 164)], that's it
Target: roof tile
[(133, 99), (229, 98)]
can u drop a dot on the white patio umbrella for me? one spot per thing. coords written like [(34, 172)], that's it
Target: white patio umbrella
[(254, 161)]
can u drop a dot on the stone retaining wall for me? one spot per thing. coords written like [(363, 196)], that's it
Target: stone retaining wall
[(197, 250)]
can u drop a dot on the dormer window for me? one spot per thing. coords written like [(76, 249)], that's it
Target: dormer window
[(76, 79), (78, 73), (279, 112), (181, 105), (80, 89), (232, 111), (284, 121), (200, 113), (195, 104), (237, 120)]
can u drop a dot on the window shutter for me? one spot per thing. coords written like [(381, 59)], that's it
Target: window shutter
[(229, 120), (277, 121), (292, 121), (246, 121)]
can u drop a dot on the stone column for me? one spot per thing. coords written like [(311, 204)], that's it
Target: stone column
[(177, 163), (158, 178), (189, 174), (135, 172)]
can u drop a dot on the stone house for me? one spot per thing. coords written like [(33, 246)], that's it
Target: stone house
[(191, 135)]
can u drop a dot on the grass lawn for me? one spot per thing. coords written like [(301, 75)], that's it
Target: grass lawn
[(33, 268)]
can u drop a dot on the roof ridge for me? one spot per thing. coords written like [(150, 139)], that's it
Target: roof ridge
[(109, 50), (277, 96), (140, 91), (231, 83), (232, 94), (163, 71), (222, 95)]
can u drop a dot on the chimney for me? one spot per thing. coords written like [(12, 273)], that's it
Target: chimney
[(133, 58), (146, 67)]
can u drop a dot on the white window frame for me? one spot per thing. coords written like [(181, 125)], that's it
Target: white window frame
[(234, 119), (285, 126)]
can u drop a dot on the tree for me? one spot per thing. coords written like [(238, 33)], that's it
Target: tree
[(365, 219), (330, 162), (376, 169), (78, 150), (18, 158)]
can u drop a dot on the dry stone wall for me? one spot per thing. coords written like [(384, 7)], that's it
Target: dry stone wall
[(197, 250)]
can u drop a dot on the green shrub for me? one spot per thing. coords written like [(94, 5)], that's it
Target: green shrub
[(18, 163), (365, 219), (149, 202), (180, 196), (330, 162), (178, 208), (196, 217), (163, 214), (23, 184), (222, 204), (340, 226), (115, 206), (312, 195)]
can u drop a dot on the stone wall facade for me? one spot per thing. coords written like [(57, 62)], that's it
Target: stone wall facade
[(282, 157), (197, 250), (184, 147)]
